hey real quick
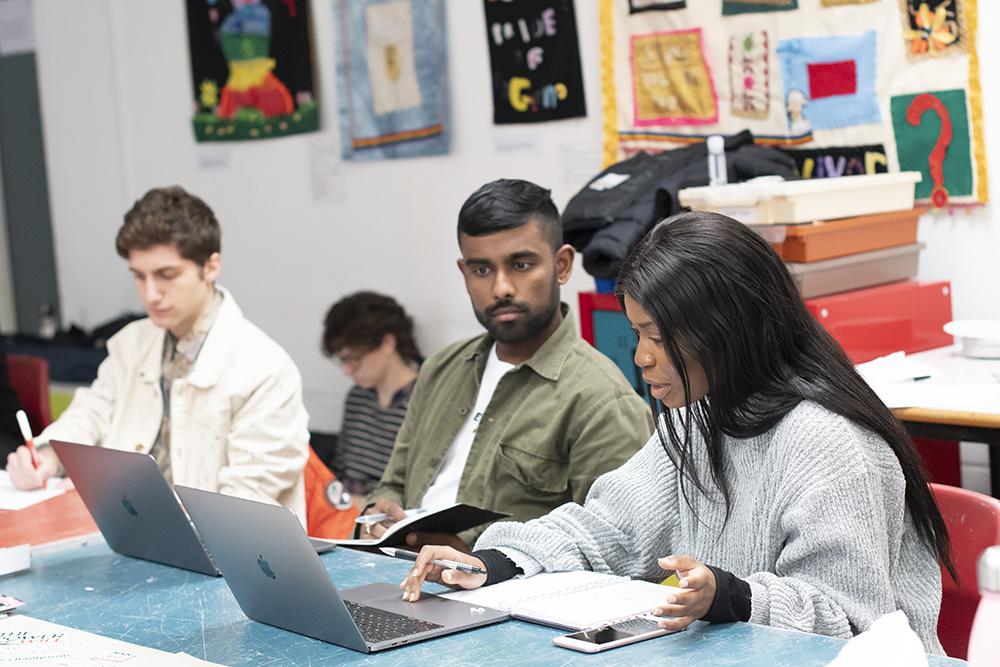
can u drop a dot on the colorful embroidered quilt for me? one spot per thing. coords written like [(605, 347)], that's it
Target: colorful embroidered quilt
[(846, 86)]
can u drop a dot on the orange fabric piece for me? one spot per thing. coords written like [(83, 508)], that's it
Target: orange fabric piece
[(323, 518)]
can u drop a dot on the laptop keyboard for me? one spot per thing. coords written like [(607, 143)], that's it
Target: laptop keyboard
[(377, 625)]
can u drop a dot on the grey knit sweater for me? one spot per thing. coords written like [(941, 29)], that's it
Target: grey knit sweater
[(818, 526)]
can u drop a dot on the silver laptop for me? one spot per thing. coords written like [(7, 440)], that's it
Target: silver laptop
[(277, 579), (136, 510)]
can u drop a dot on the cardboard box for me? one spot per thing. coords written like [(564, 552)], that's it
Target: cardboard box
[(846, 236), (853, 272)]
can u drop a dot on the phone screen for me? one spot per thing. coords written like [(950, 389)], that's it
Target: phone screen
[(600, 635)]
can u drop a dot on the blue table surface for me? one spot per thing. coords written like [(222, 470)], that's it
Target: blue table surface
[(82, 584)]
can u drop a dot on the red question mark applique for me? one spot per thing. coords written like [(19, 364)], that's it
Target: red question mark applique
[(920, 104)]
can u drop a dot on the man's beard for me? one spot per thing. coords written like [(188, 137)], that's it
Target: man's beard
[(527, 327)]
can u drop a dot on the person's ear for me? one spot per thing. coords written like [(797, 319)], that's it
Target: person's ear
[(389, 342), (564, 263), (212, 267)]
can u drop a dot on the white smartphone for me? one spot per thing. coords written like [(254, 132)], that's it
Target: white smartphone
[(619, 633)]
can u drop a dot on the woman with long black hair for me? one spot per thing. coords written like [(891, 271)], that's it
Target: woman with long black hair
[(778, 486)]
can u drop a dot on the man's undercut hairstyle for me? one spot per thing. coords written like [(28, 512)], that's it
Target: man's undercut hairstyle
[(508, 203), (171, 216), (362, 320)]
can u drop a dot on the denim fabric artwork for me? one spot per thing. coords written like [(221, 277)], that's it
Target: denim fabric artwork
[(391, 78), (829, 81)]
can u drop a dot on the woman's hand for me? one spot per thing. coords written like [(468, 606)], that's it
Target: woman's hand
[(424, 569), (697, 583)]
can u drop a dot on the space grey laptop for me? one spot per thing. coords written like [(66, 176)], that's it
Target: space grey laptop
[(134, 507), (277, 579)]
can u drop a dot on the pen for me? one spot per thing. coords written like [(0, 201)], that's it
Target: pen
[(446, 564), (368, 519), (29, 439)]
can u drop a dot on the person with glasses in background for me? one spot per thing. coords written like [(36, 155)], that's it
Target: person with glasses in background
[(371, 337)]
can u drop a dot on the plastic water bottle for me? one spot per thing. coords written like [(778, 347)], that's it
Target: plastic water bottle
[(984, 644), (717, 160), (47, 326)]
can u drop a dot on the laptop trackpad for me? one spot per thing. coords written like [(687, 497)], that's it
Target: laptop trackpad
[(430, 607)]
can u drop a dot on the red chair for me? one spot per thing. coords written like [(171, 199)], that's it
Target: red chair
[(29, 377), (973, 522)]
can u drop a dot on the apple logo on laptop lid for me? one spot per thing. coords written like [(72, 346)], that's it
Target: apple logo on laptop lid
[(265, 567), (127, 504)]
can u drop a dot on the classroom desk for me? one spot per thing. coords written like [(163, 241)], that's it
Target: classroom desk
[(55, 519), (83, 584), (979, 425)]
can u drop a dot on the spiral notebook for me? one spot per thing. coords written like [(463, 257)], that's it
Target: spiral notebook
[(571, 600)]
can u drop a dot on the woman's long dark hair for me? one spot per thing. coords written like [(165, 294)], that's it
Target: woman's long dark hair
[(719, 293)]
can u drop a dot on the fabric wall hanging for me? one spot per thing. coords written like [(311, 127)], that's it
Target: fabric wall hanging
[(535, 58), (251, 68), (934, 27), (841, 85), (391, 78)]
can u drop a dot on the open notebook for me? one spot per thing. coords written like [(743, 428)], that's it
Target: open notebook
[(572, 600)]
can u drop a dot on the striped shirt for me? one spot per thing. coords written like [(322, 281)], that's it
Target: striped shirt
[(367, 437)]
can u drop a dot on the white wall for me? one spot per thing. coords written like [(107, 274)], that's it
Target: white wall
[(115, 89)]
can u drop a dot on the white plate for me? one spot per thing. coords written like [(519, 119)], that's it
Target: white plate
[(979, 338)]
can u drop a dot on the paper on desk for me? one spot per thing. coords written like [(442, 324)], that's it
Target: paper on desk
[(889, 641), (15, 499), (14, 559), (30, 641), (954, 397), (895, 367)]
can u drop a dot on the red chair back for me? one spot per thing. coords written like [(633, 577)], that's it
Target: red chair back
[(973, 522), (29, 377)]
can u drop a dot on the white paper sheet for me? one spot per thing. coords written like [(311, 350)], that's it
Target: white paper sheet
[(15, 499), (935, 396), (895, 367), (573, 600), (36, 643)]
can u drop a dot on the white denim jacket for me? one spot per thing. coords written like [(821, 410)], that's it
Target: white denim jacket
[(238, 424)]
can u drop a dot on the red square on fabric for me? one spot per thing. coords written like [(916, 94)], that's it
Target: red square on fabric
[(829, 79)]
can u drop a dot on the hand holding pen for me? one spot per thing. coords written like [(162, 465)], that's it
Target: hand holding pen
[(430, 565), (445, 564), (377, 518), (25, 467)]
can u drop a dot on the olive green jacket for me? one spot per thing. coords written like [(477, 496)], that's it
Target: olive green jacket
[(554, 424)]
